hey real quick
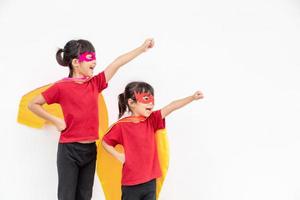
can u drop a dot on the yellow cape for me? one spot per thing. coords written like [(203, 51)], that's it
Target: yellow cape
[(108, 168)]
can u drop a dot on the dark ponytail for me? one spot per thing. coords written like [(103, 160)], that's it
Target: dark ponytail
[(129, 94), (122, 104), (72, 50), (62, 62), (59, 57)]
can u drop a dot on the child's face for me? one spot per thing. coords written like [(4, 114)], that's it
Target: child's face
[(143, 105), (86, 68), (86, 64)]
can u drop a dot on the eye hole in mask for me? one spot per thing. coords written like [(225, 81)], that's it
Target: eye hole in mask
[(144, 97), (87, 57)]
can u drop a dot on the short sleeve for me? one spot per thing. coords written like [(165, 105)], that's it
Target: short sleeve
[(113, 136), (51, 94), (156, 120), (100, 81)]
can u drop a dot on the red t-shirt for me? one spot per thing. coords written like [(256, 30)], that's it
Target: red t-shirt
[(138, 140), (79, 103)]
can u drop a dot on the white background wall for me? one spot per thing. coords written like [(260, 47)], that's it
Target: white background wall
[(242, 142)]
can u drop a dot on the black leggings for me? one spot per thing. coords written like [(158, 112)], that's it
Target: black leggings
[(144, 191), (76, 164)]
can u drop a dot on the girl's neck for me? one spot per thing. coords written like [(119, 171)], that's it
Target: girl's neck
[(134, 114), (77, 75)]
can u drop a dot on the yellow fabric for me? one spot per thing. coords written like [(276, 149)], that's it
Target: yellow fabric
[(163, 155), (26, 117), (108, 168)]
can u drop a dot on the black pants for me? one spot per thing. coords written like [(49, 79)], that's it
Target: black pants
[(144, 191), (76, 164)]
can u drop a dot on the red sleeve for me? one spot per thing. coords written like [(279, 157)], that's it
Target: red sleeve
[(51, 94), (113, 136), (156, 120), (100, 81)]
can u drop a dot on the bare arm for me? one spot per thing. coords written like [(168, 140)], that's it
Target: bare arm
[(35, 106), (112, 68), (111, 150), (165, 111)]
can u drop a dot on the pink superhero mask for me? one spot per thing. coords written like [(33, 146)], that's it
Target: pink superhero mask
[(144, 97), (87, 56)]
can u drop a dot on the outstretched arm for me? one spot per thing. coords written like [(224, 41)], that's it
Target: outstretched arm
[(112, 68), (35, 106), (111, 150), (165, 111)]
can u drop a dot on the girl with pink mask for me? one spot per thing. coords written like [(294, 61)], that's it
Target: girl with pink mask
[(78, 98), (136, 134)]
